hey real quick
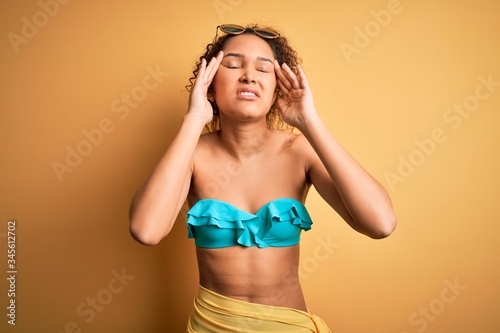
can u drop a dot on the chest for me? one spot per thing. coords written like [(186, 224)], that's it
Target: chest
[(263, 177)]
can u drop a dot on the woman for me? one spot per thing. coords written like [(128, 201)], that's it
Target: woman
[(246, 181)]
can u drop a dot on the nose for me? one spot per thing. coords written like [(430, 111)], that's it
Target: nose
[(247, 77)]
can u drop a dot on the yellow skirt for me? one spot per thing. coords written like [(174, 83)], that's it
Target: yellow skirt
[(215, 313)]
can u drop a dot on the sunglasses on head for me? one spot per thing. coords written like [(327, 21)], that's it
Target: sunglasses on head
[(234, 29)]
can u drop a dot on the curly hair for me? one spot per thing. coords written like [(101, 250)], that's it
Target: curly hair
[(283, 52)]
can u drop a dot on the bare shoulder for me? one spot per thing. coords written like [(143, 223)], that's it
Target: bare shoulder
[(207, 141), (299, 144), (205, 148), (304, 152)]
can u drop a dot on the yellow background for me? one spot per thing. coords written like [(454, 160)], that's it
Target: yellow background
[(394, 90)]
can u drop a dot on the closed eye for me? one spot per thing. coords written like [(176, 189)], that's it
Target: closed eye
[(232, 63), (264, 70), (231, 66)]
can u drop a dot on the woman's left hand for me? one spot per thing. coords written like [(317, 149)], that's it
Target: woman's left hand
[(298, 105)]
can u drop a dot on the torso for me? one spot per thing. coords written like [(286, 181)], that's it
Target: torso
[(275, 169), (265, 276)]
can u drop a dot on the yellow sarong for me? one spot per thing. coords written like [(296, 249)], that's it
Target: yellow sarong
[(215, 313)]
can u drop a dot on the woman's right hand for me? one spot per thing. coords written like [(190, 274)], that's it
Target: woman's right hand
[(198, 100)]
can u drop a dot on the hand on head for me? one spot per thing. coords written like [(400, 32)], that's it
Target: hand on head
[(297, 104), (198, 99)]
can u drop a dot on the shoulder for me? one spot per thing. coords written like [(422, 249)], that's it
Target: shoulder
[(296, 146), (207, 141), (299, 144), (303, 151), (205, 148)]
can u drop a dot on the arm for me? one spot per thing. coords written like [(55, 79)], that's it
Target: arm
[(158, 201), (361, 201)]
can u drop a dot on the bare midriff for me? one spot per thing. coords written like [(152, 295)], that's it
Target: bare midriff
[(258, 275)]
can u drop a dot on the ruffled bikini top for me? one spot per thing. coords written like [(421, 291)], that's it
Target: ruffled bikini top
[(216, 224)]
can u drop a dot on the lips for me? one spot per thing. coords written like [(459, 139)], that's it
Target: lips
[(247, 93)]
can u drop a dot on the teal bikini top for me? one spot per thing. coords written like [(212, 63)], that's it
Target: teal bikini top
[(215, 224)]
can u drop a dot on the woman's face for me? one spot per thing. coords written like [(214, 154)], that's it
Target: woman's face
[(245, 82)]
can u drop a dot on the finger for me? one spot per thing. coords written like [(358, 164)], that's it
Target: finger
[(203, 68), (200, 77), (213, 66), (302, 78), (283, 81), (291, 76), (283, 88)]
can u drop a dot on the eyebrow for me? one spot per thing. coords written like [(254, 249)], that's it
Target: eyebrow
[(239, 55)]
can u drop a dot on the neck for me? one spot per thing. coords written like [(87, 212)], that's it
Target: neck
[(244, 140)]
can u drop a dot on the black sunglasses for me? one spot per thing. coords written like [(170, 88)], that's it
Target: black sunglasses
[(234, 29)]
